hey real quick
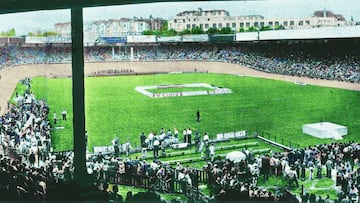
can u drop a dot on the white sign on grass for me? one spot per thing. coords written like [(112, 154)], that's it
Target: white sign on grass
[(212, 90)]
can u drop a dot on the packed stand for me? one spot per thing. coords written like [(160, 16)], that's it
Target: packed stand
[(331, 60)]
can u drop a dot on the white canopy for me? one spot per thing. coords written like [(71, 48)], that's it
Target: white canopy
[(236, 156)]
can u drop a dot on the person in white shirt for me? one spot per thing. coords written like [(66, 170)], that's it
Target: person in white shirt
[(127, 148), (151, 139), (54, 117), (156, 148), (206, 137), (212, 152), (176, 132), (184, 134), (63, 114), (182, 180), (292, 176), (188, 134)]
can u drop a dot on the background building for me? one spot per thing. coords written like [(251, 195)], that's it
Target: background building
[(112, 28), (206, 19)]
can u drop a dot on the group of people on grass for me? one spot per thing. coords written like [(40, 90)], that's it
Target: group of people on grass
[(167, 139)]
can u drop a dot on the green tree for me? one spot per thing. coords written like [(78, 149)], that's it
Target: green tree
[(8, 33), (148, 32), (185, 32), (252, 29), (49, 33), (165, 26), (280, 27), (265, 28), (197, 30), (226, 30), (172, 32), (12, 32), (242, 30), (212, 31)]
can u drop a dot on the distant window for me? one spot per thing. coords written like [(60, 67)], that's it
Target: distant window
[(256, 24), (208, 19), (241, 24), (201, 26), (286, 23), (292, 23), (307, 22), (183, 20), (277, 23), (214, 25), (206, 26), (193, 26), (227, 24), (270, 23), (188, 26), (233, 25), (247, 24), (220, 25), (175, 21), (194, 19), (262, 24), (301, 23)]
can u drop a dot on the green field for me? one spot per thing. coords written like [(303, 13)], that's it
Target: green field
[(114, 108)]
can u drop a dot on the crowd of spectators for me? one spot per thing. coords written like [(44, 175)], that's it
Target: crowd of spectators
[(331, 60)]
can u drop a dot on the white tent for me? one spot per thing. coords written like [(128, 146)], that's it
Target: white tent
[(236, 156)]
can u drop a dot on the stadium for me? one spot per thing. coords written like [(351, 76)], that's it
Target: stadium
[(249, 95)]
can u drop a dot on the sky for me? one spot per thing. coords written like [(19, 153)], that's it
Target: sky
[(45, 20)]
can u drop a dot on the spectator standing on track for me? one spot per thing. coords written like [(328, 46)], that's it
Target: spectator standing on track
[(311, 166), (198, 116), (115, 143), (188, 136), (265, 167), (162, 131), (151, 139), (197, 141), (292, 178), (169, 134), (176, 133), (127, 148), (184, 135), (207, 150), (156, 148), (63, 114), (206, 138), (329, 166), (54, 117), (303, 172), (212, 152), (142, 140)]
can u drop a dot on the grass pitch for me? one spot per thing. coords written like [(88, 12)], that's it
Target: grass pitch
[(114, 108)]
